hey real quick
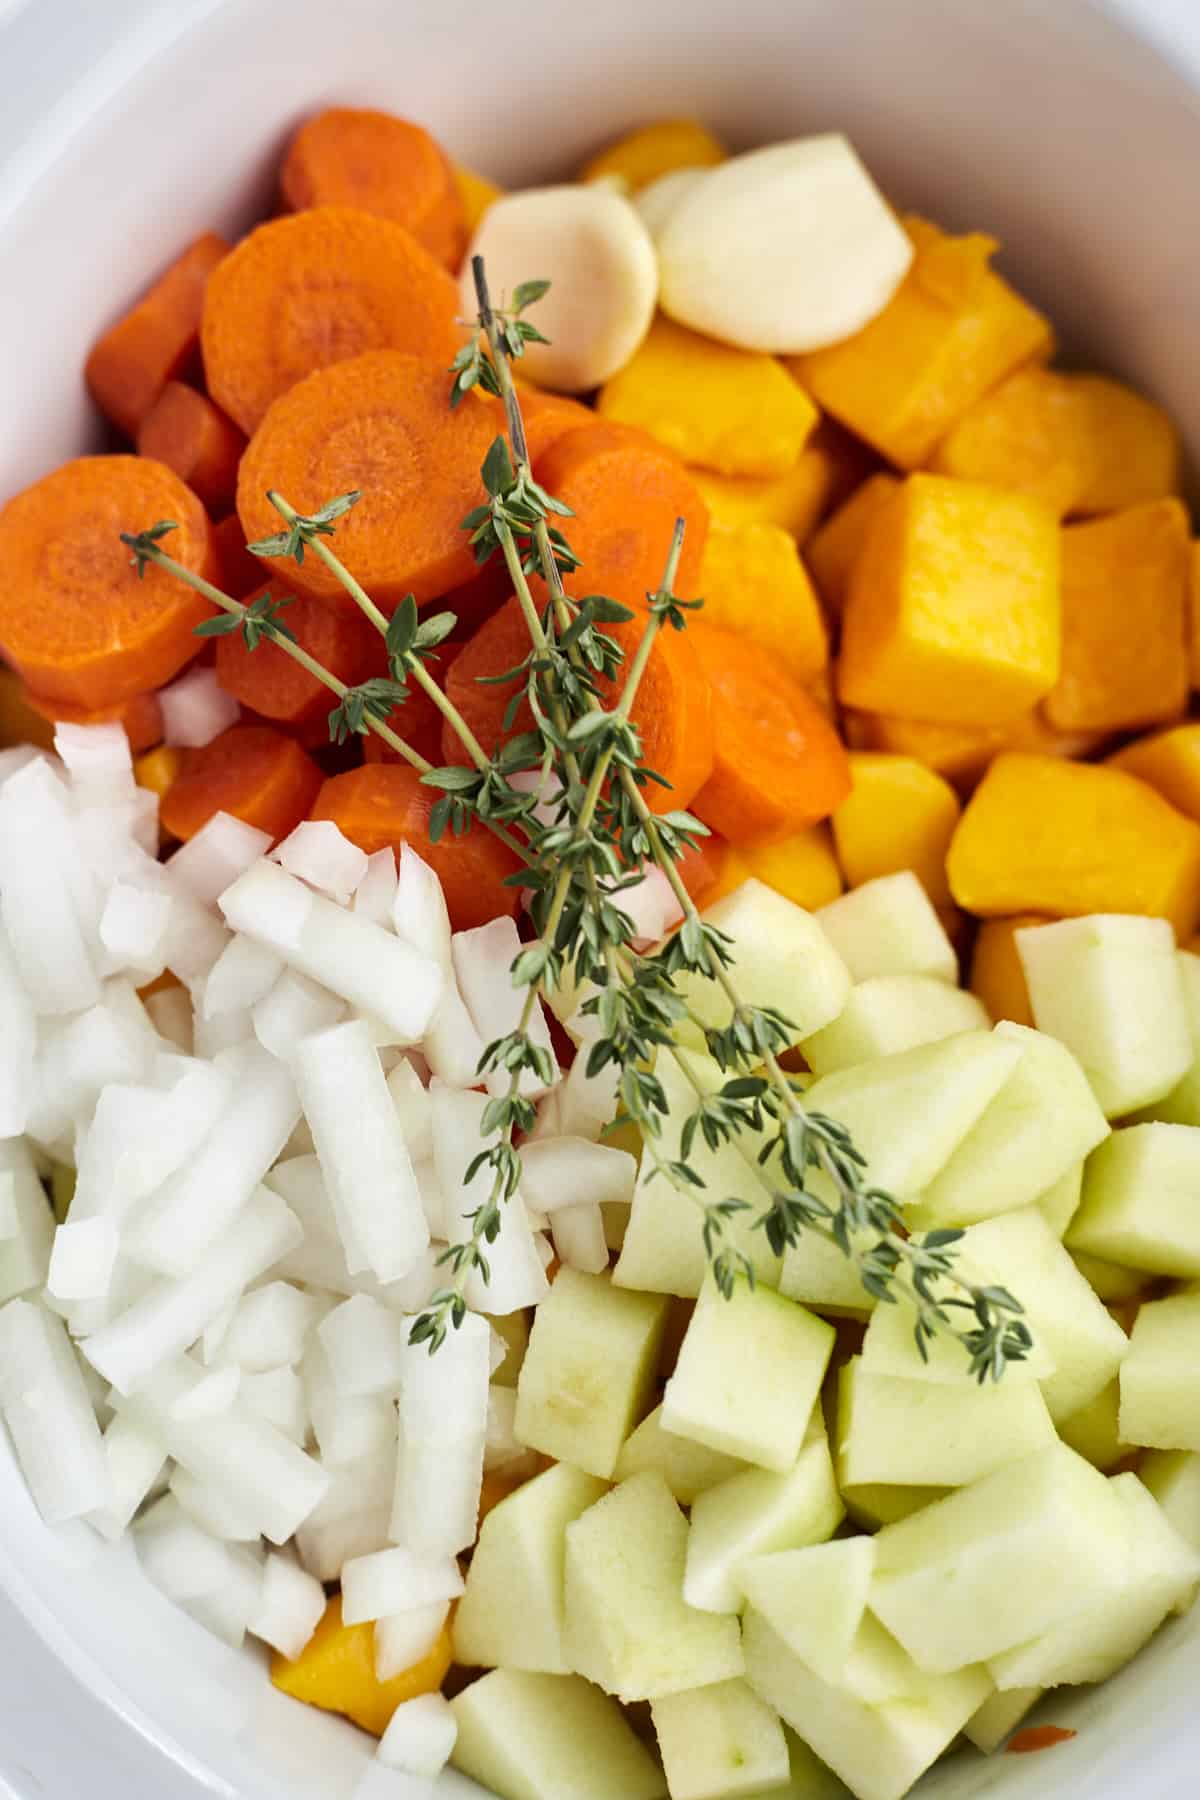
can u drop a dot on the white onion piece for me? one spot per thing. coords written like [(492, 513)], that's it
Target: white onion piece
[(128, 1283), (572, 1171), (136, 1457), (9, 1221), (17, 1043), (270, 1327), (352, 1518), (452, 1043), (444, 1398), (194, 1206), (319, 1258), (196, 709), (25, 1250), (227, 1613), (405, 1638), (212, 1395), (366, 965), (410, 1097), (18, 757), (517, 1278), (134, 927), (253, 1466), (420, 1737), (365, 1343), (98, 762), (243, 974), (436, 1507), (227, 1031), (318, 853), (345, 1426), (367, 1168), (375, 894), (139, 1135), (652, 906), (483, 961), (44, 894), (433, 1200), (420, 916), (290, 1607), (79, 1057), (294, 1009), (221, 850), (82, 1259), (501, 1444), (183, 1560), (392, 1581), (580, 1239), (277, 1395), (47, 1408), (210, 1509), (195, 939)]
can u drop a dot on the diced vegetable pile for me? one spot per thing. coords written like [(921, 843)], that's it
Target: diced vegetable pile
[(623, 1533)]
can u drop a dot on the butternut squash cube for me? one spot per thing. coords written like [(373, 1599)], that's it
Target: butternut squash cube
[(1082, 443), (641, 156), (754, 583), (830, 466), (336, 1671), (476, 192), (802, 868), (1124, 620), (832, 551), (1194, 615), (1068, 839), (962, 753), (953, 330), (898, 815), (953, 612), (997, 976), (1170, 762), (736, 411)]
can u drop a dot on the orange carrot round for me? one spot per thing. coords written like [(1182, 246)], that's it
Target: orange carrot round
[(384, 805), (141, 717), (268, 682), (626, 492), (317, 288), (549, 417), (192, 436), (353, 156), (779, 765), (241, 573), (382, 424), (475, 601), (251, 771), (700, 868), (418, 721), (156, 340), (75, 620)]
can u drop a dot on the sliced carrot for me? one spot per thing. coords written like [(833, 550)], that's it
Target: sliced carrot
[(700, 868), (192, 436), (156, 340), (316, 288), (381, 424), (74, 618), (475, 601), (241, 573), (141, 717), (1039, 1737), (268, 682), (626, 493), (673, 708), (779, 764), (384, 805), (549, 417), (418, 721), (352, 156), (251, 771)]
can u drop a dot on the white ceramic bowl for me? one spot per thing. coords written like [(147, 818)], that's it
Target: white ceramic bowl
[(127, 126)]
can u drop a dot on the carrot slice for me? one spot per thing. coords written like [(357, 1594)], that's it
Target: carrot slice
[(192, 436), (317, 288), (549, 417), (241, 573), (380, 423), (384, 805), (626, 492), (700, 868), (418, 721), (350, 156), (779, 764), (475, 602), (74, 618), (141, 717), (156, 340), (251, 771), (269, 683), (673, 708), (1039, 1737)]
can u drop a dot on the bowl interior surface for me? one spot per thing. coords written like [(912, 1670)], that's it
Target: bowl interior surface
[(128, 128)]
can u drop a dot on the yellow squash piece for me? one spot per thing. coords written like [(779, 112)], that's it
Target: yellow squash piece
[(953, 610), (833, 550), (962, 753), (158, 769), (898, 815), (997, 977), (476, 192), (803, 869), (336, 1671), (653, 150), (1170, 762), (1082, 443), (1194, 616), (1124, 620), (830, 466), (19, 723), (953, 330), (754, 583), (1067, 839), (736, 411)]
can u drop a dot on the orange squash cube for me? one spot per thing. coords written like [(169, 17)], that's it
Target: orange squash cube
[(1169, 762), (831, 465), (754, 583), (953, 610), (1194, 616), (835, 547), (898, 815), (477, 194), (961, 753), (1124, 620), (802, 868), (641, 156), (997, 977), (336, 1671), (952, 331)]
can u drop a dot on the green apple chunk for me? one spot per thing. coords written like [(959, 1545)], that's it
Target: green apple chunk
[(889, 1013), (753, 1513), (719, 1742), (686, 1466), (999, 1715), (1141, 1201), (748, 1375), (878, 1751), (1159, 1575), (1109, 1281), (820, 1275), (589, 1370), (1083, 1341), (628, 1627), (1059, 1204), (1173, 1477), (933, 1433), (1182, 1105), (814, 1598), (1043, 1121), (1094, 1430), (663, 1249), (877, 1503), (1160, 1377), (890, 1348), (1000, 1561), (784, 960), (889, 927), (511, 1614), (909, 1112), (550, 1737), (808, 1777), (1109, 988)]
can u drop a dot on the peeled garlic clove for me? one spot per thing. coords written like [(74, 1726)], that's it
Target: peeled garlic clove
[(598, 257), (658, 201), (784, 249)]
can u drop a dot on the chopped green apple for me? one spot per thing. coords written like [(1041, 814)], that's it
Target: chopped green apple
[(749, 1371), (1173, 1477), (1109, 1281), (511, 1613), (753, 1513), (999, 1562), (933, 1433), (1109, 988), (686, 1466), (784, 960), (1160, 1377), (1059, 1204), (1182, 1105), (1094, 1430), (628, 1626), (890, 1348), (547, 1737), (889, 1013), (878, 1503), (719, 1743), (889, 927), (814, 1598), (1139, 1205), (809, 1778), (589, 1370), (1000, 1715), (818, 1274)]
